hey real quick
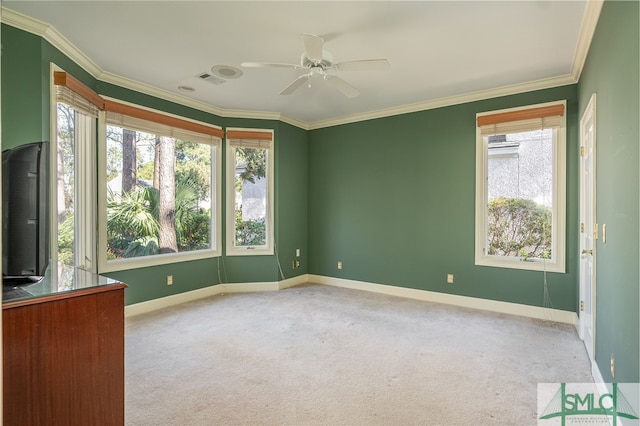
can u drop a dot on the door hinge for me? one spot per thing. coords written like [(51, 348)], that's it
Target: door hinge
[(582, 151), (582, 306), (582, 228), (595, 231)]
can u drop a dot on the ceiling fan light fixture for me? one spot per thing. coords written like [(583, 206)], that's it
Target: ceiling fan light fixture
[(319, 63), (226, 71), (325, 62)]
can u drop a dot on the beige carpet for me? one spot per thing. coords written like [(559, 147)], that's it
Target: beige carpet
[(315, 354)]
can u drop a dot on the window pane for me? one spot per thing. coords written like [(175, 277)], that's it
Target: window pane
[(158, 194), (520, 194), (250, 197), (65, 178)]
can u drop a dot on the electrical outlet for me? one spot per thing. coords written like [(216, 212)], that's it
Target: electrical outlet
[(613, 366), (449, 278), (295, 264), (169, 279), (339, 264)]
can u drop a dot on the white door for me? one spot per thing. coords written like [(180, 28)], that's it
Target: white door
[(588, 227)]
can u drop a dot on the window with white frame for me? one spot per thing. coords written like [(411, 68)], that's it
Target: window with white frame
[(520, 188), (160, 188), (73, 162), (249, 192)]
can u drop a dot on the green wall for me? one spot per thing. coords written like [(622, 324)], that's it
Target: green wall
[(26, 116), (394, 200), (25, 85), (21, 89), (612, 73), (292, 198)]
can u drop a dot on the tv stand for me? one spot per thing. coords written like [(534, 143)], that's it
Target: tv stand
[(63, 358)]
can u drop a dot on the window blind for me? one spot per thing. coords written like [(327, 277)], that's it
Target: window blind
[(133, 118), (72, 92), (250, 138), (547, 117)]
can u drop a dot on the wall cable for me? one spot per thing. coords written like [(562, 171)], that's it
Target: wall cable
[(546, 302), (224, 269), (546, 298), (275, 248)]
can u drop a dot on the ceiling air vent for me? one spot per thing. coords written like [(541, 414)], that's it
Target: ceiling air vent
[(211, 78), (226, 71)]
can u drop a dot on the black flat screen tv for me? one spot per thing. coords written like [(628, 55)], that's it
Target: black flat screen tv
[(25, 213)]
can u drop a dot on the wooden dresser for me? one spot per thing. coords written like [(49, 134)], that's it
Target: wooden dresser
[(63, 358)]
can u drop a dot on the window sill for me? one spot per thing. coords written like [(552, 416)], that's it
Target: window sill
[(518, 263), (250, 251), (156, 260)]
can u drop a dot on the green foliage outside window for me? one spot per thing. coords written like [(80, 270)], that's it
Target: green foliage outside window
[(519, 228), (252, 164), (133, 223), (250, 232), (65, 240)]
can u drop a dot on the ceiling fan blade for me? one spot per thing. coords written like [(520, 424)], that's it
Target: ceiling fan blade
[(313, 45), (348, 90), (267, 65), (295, 84), (363, 65)]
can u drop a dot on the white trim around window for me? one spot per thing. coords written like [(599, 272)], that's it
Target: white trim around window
[(557, 126), (261, 209), (160, 129), (80, 188)]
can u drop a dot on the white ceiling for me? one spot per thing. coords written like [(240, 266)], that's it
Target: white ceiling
[(439, 51)]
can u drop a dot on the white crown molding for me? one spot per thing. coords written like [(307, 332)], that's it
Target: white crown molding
[(50, 34), (265, 115), (450, 100), (587, 29), (150, 90), (23, 22)]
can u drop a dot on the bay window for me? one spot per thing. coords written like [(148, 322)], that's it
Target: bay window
[(160, 178)]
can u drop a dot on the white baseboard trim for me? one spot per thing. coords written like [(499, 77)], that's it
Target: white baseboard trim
[(537, 312), (555, 315), (290, 282), (188, 296), (597, 378), (175, 299)]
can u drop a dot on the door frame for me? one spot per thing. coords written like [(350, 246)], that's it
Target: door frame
[(589, 116)]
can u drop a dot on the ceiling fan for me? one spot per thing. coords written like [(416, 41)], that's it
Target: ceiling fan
[(319, 63)]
